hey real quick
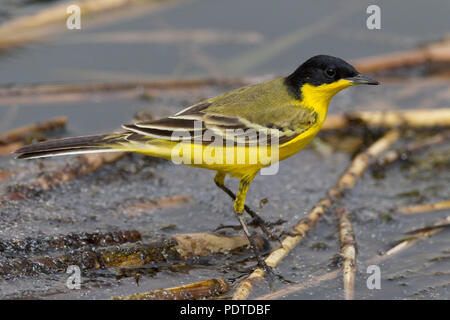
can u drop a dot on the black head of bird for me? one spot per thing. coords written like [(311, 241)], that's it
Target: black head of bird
[(325, 75)]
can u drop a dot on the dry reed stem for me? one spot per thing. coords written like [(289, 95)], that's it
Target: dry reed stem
[(348, 252), (22, 133), (418, 118), (197, 290), (36, 26), (424, 207), (175, 248), (436, 52), (316, 280), (172, 84), (8, 149), (346, 181), (415, 146)]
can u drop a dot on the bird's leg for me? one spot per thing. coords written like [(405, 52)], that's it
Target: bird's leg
[(219, 179), (239, 204)]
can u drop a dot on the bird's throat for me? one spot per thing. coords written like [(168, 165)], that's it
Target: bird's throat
[(318, 97)]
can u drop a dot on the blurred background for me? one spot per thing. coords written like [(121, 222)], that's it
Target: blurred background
[(142, 40)]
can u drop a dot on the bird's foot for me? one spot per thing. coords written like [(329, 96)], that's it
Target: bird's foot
[(268, 272), (267, 227)]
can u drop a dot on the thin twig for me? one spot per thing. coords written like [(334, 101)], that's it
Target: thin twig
[(346, 181), (429, 228), (408, 242), (348, 252), (424, 208)]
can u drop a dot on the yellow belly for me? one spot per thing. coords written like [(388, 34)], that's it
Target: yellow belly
[(237, 161)]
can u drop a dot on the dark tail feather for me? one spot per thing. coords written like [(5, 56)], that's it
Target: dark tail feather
[(78, 145)]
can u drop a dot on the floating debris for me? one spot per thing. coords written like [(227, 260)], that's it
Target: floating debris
[(197, 290), (67, 242)]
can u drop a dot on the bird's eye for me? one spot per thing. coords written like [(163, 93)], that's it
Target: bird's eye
[(331, 72)]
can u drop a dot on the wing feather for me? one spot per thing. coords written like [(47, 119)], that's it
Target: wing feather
[(245, 115)]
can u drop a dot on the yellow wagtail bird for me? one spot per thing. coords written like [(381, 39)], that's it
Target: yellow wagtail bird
[(290, 109)]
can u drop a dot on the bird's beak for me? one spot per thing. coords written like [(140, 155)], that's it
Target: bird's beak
[(362, 79)]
